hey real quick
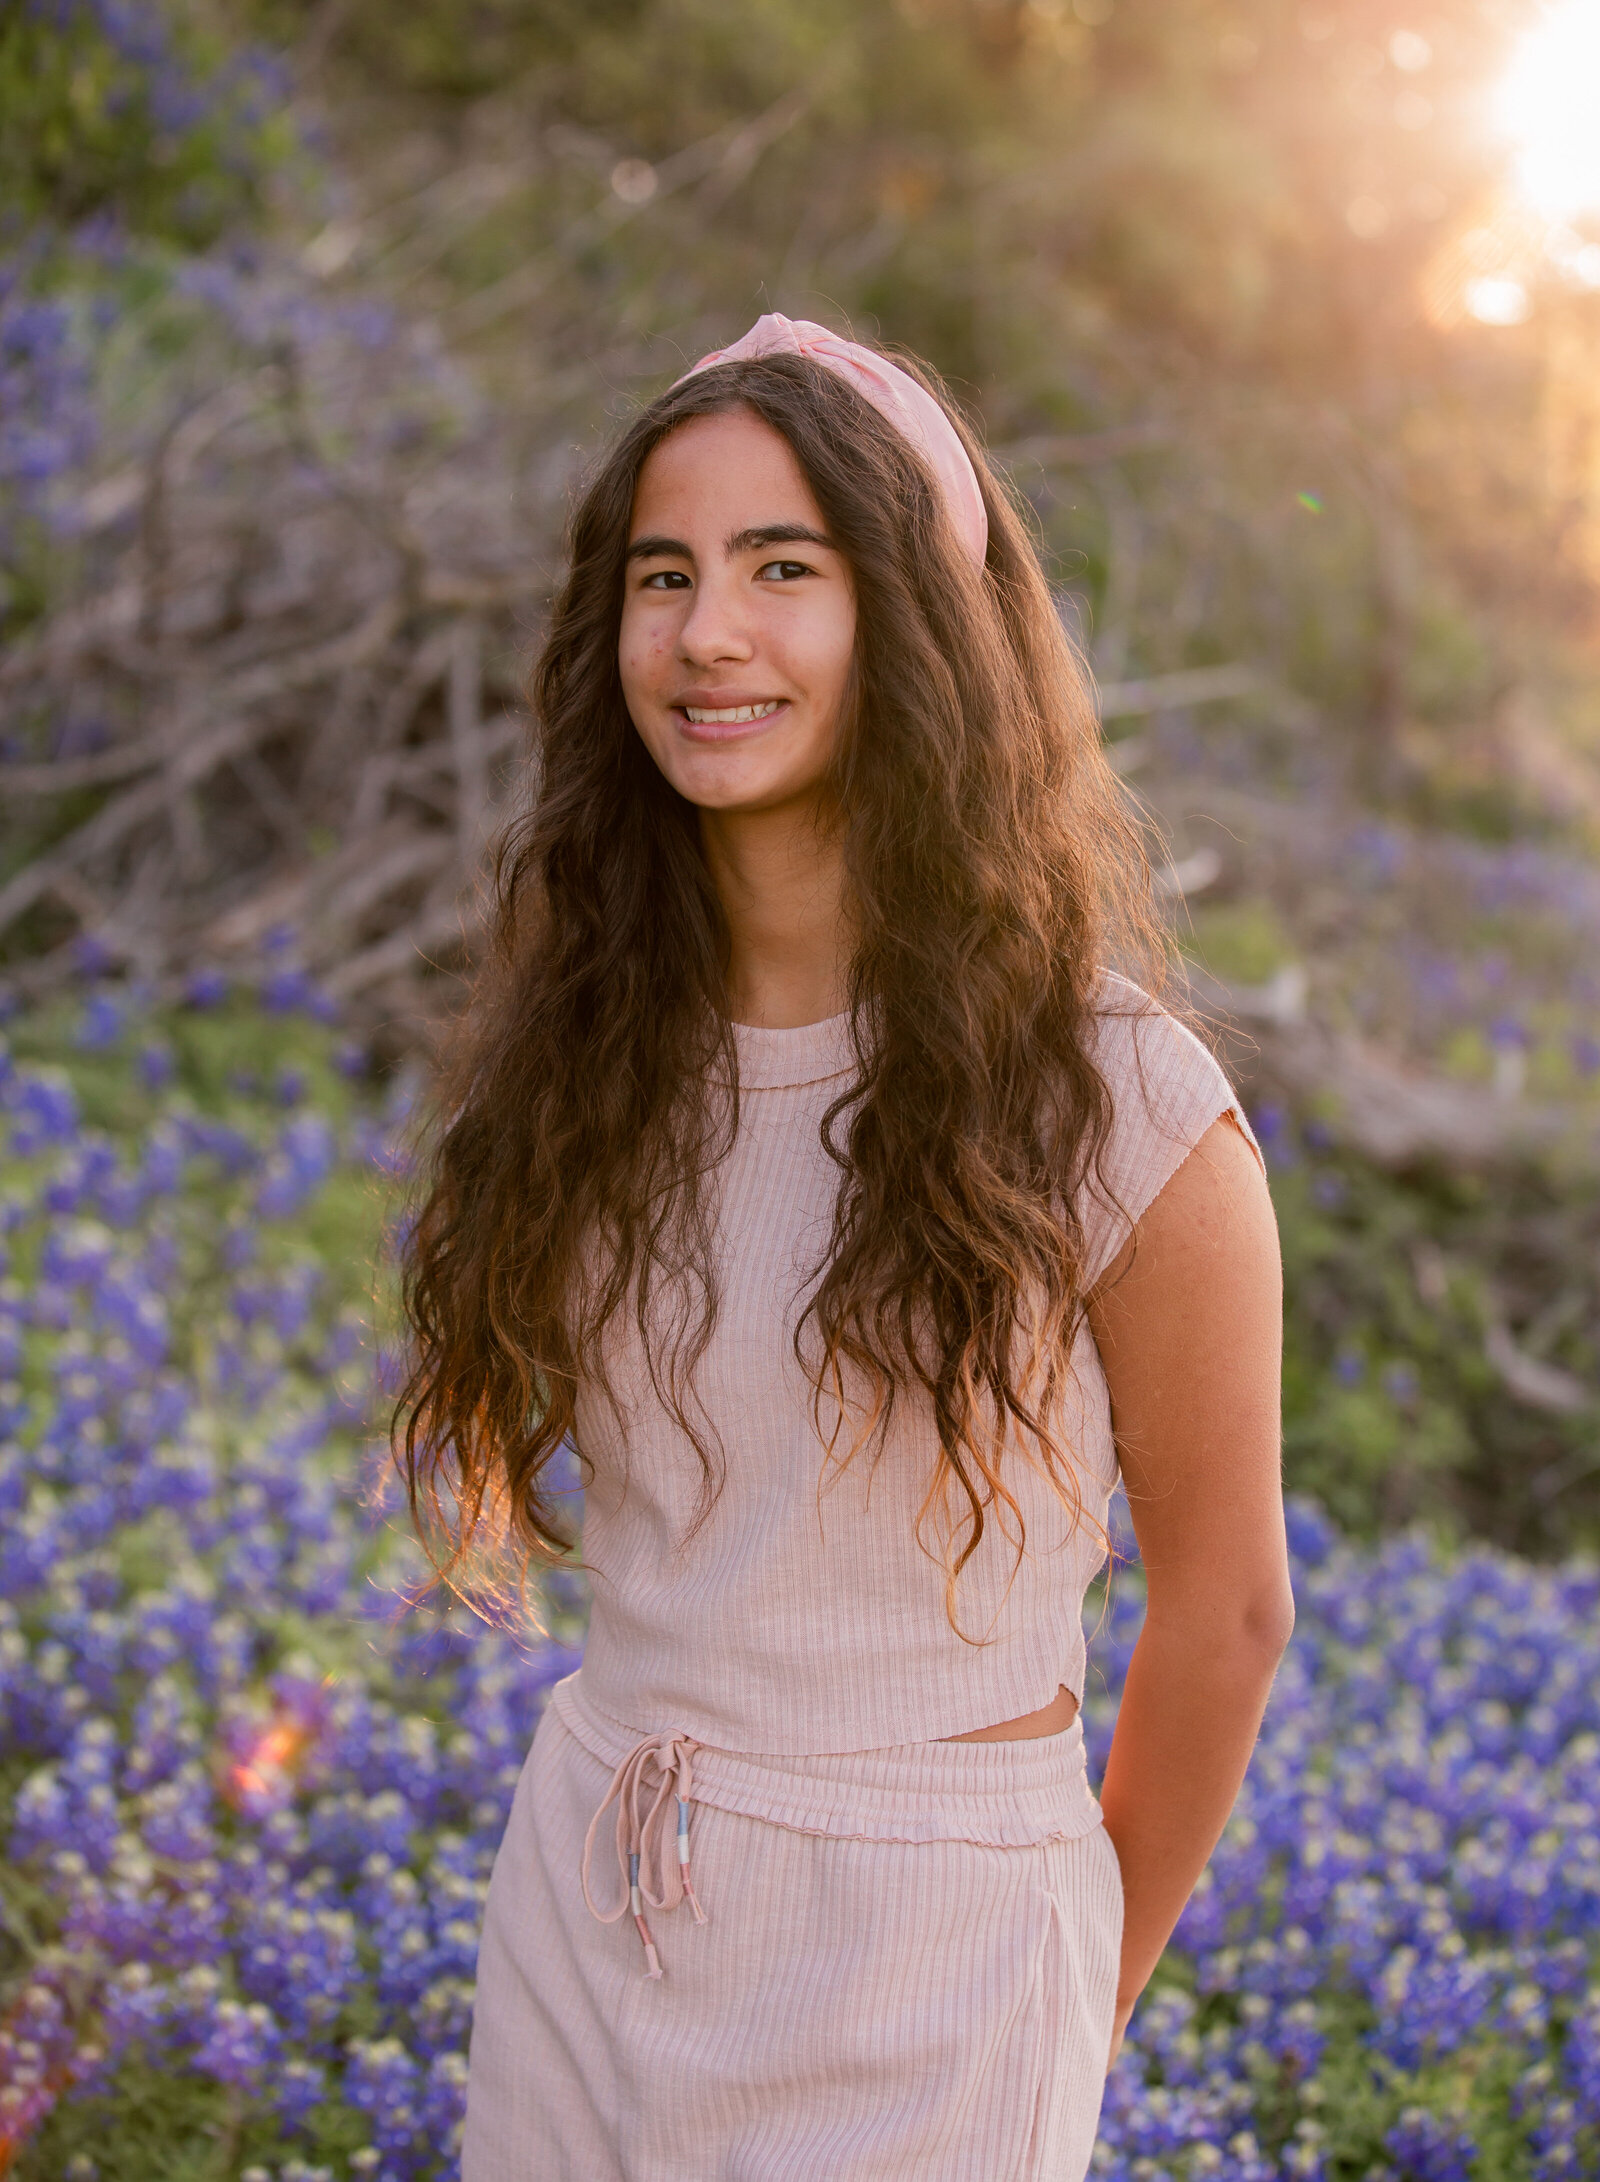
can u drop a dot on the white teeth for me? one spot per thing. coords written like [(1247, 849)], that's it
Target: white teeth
[(732, 715)]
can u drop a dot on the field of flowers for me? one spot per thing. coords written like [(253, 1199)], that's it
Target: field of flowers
[(249, 1806), (249, 1814)]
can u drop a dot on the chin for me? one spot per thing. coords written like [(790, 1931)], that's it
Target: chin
[(728, 789), (709, 798)]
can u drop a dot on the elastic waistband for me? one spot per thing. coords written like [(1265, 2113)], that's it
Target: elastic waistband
[(1004, 1795)]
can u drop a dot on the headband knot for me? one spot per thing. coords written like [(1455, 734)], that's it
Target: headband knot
[(891, 391)]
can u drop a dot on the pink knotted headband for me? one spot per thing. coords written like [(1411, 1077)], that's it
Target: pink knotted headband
[(891, 391)]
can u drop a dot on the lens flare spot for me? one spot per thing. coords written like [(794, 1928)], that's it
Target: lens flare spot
[(1549, 106), (1498, 302), (260, 1763)]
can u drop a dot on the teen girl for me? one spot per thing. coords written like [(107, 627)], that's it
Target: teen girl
[(810, 1172)]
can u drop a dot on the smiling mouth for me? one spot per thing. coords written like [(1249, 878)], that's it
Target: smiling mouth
[(731, 715)]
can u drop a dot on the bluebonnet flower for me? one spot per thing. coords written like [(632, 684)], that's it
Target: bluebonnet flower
[(1270, 1122), (157, 1064), (1400, 1382), (206, 989), (48, 425), (1430, 2149), (293, 991), (46, 1106), (297, 1168), (101, 1023)]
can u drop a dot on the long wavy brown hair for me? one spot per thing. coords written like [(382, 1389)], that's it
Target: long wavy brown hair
[(994, 862)]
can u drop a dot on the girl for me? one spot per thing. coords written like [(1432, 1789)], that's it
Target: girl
[(810, 1173)]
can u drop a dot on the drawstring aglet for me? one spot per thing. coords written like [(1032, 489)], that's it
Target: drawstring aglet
[(683, 1860), (636, 1903), (641, 1836)]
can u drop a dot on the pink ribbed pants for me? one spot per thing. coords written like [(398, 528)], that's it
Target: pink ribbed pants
[(855, 2009)]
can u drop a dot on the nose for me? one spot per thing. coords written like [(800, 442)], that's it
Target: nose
[(716, 627)]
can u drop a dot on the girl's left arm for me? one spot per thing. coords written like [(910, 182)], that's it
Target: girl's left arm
[(1189, 1323)]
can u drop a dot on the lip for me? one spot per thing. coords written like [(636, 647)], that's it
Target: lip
[(724, 731)]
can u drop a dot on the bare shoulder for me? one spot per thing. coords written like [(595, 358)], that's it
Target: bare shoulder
[(1190, 1331), (1216, 1205)]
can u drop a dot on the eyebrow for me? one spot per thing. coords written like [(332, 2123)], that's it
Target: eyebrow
[(771, 534), (657, 548)]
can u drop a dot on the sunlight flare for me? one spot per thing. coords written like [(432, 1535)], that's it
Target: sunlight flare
[(1549, 105)]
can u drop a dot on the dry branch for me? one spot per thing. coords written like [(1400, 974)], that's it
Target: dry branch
[(302, 707), (1394, 1115)]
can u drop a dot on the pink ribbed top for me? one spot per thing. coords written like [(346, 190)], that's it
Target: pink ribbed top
[(797, 1621)]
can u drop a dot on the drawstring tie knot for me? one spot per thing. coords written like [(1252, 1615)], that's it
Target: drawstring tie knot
[(654, 1863)]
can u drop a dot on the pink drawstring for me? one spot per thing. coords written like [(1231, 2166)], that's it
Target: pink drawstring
[(643, 1841)]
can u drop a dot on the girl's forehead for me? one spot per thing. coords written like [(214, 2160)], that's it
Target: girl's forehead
[(720, 465)]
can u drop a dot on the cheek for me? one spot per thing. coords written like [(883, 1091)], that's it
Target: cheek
[(816, 649), (642, 648), (841, 644)]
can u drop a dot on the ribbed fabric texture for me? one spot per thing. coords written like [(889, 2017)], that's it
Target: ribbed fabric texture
[(852, 2010), (1004, 1795), (802, 1616)]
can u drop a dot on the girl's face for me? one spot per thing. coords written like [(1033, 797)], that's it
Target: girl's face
[(738, 618)]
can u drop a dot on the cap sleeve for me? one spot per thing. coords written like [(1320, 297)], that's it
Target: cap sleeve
[(1166, 1091)]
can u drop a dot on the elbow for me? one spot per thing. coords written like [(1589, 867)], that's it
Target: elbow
[(1243, 1629), (1266, 1621)]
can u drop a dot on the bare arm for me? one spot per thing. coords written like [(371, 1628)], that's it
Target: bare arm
[(1191, 1335)]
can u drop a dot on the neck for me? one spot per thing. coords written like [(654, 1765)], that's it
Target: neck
[(780, 875)]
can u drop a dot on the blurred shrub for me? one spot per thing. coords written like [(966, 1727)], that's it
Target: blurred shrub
[(133, 133), (1449, 675), (1242, 942), (1393, 1408), (149, 112), (48, 424)]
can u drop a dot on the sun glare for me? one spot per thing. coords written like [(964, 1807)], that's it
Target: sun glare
[(1549, 104)]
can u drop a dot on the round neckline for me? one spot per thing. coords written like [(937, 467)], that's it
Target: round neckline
[(778, 1060)]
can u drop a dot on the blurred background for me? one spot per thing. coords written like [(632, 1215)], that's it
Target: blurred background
[(1284, 317)]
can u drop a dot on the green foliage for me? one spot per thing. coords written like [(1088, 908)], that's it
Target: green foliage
[(173, 2123), (151, 114), (1448, 673), (225, 1064), (220, 1056), (1356, 2094), (1392, 1410), (1242, 942)]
